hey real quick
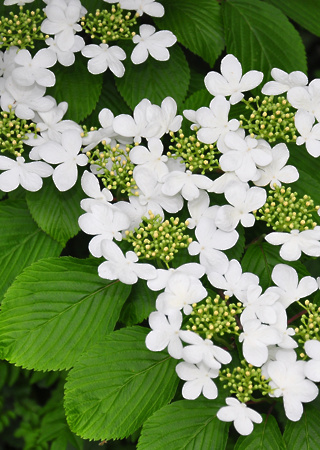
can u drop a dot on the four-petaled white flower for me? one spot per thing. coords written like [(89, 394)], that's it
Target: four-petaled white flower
[(309, 133), (312, 367), (198, 380), (230, 81), (241, 416), (284, 81), (104, 57), (151, 42)]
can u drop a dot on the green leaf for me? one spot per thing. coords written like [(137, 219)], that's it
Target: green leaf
[(261, 258), (237, 250), (265, 436), (198, 99), (109, 98), (56, 212), (185, 425), (55, 310), (77, 86), (304, 434), (155, 80), (93, 5), (116, 386), (197, 25), (139, 305), (306, 13), (262, 37), (21, 241)]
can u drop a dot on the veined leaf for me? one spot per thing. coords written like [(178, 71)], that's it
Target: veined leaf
[(155, 80), (77, 86), (197, 25), (265, 436), (55, 310), (262, 37), (185, 425), (306, 13), (139, 305), (21, 241), (56, 212), (116, 386), (260, 259), (304, 434)]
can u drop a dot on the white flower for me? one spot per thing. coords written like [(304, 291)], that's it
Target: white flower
[(288, 287), (203, 350), (165, 333), (307, 98), (309, 134), (284, 82), (199, 207), (160, 282), (277, 172), (151, 158), (231, 82), (150, 7), (104, 57), (241, 416), (259, 306), (135, 126), (35, 69), (295, 242), (91, 187), (243, 202), (233, 281), (16, 2), (29, 175), (66, 155), (198, 380), (124, 268), (187, 183), (288, 381), (312, 367), (256, 338), (66, 57), (153, 43)]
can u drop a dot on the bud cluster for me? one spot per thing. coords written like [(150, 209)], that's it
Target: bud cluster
[(271, 119), (310, 323), (21, 29), (13, 131), (284, 211), (196, 155), (109, 26), (243, 381), (214, 317), (155, 239), (114, 168)]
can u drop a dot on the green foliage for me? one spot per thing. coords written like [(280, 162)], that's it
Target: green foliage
[(116, 386), (197, 25), (262, 37), (56, 212), (22, 242), (155, 80), (265, 436), (78, 87), (185, 425), (61, 308), (139, 305), (305, 433)]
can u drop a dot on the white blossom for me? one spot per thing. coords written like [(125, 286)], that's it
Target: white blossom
[(198, 380), (241, 416), (284, 81), (152, 43), (312, 367), (309, 133)]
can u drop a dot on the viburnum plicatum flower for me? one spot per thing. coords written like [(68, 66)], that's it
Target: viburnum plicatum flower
[(242, 203), (181, 292), (198, 380), (244, 156), (286, 342), (135, 127), (288, 287), (257, 305), (256, 338), (203, 350), (230, 81), (233, 281), (104, 57), (28, 175), (162, 278), (67, 156), (284, 81), (104, 221), (124, 268), (277, 172), (150, 7), (151, 42), (90, 186), (185, 183), (162, 119), (66, 57), (241, 416), (312, 367), (199, 207), (307, 98), (309, 134), (214, 122), (31, 70), (16, 2), (289, 381), (166, 332), (295, 242), (151, 158)]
